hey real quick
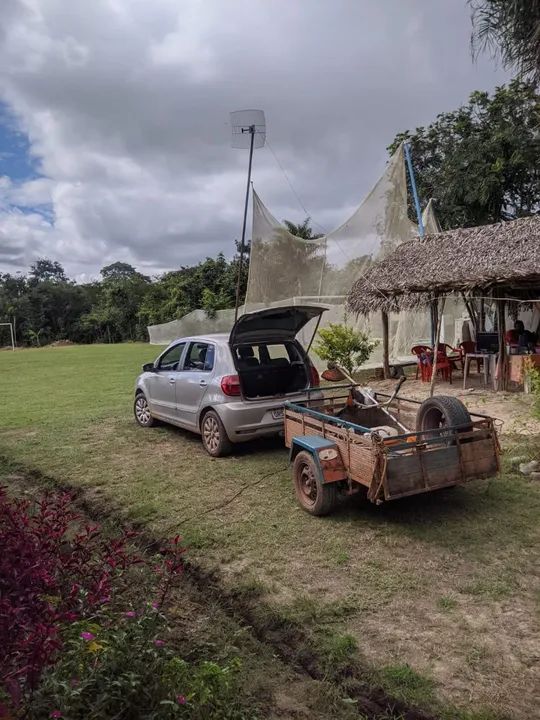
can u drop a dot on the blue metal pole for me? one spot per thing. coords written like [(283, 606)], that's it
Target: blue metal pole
[(407, 149)]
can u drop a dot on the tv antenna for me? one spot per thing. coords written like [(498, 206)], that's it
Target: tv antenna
[(248, 132)]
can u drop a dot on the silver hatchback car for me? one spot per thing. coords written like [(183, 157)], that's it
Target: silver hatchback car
[(230, 388)]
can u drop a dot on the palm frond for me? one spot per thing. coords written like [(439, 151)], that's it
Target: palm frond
[(509, 29)]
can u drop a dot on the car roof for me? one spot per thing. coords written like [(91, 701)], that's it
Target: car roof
[(212, 337)]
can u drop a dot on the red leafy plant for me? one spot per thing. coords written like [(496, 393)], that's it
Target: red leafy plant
[(56, 570)]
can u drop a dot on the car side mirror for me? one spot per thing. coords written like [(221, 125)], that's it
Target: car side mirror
[(148, 367)]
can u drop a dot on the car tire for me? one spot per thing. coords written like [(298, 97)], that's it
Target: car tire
[(214, 436), (443, 411), (314, 496), (141, 410)]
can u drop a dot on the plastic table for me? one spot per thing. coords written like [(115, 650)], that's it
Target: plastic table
[(489, 366)]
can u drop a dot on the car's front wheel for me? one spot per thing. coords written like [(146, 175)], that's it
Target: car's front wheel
[(214, 436), (142, 411)]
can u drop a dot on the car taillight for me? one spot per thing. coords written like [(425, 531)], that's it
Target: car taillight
[(230, 385), (315, 380)]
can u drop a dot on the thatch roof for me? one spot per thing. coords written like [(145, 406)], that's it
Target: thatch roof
[(505, 255)]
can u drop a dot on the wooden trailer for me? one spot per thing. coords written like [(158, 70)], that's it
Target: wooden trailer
[(340, 445)]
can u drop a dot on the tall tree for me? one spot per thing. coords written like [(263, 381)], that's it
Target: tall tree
[(480, 163), (14, 305), (121, 271), (115, 312), (510, 29), (45, 305), (302, 230), (45, 269)]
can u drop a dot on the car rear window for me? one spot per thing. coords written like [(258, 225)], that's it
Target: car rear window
[(278, 351)]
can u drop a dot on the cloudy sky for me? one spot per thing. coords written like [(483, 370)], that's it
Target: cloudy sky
[(114, 116)]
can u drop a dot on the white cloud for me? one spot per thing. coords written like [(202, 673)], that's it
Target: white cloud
[(126, 105), (27, 194), (187, 47)]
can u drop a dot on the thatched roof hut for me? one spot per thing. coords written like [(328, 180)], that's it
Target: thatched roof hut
[(504, 258)]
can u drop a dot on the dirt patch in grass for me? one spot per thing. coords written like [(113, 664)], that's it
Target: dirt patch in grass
[(61, 343), (481, 652)]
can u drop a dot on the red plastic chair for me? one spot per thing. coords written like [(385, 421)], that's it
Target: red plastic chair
[(444, 367), (422, 353), (424, 356), (450, 351)]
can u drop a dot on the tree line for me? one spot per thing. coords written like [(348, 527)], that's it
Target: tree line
[(45, 305)]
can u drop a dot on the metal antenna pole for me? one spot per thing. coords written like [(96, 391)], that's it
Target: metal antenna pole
[(407, 149), (251, 130)]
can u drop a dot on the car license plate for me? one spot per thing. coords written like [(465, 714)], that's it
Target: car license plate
[(277, 414)]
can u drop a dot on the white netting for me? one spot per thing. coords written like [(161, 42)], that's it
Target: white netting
[(196, 322), (286, 269), (289, 270), (283, 265)]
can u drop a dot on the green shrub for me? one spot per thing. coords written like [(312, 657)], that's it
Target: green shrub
[(345, 346), (121, 667)]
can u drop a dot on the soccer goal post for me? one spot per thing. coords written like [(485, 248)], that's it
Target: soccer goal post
[(11, 333)]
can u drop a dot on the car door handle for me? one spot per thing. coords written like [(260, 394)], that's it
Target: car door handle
[(172, 381), (203, 383)]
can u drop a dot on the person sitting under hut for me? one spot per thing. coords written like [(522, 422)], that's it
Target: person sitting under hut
[(519, 336)]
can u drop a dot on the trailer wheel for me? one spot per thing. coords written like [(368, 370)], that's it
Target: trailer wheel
[(314, 496), (443, 411)]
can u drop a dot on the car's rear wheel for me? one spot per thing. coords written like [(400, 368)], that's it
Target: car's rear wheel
[(142, 413), (314, 496), (214, 436)]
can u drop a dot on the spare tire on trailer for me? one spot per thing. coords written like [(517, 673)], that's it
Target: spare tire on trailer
[(443, 411)]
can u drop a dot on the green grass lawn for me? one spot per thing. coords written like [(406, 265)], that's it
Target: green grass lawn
[(438, 594)]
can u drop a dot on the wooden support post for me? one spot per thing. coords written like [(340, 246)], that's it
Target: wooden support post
[(433, 318), (386, 352), (502, 383), (440, 311), (482, 315), (469, 304)]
